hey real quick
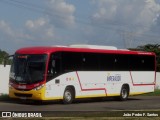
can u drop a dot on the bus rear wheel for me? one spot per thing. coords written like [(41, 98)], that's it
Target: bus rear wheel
[(124, 93), (68, 96)]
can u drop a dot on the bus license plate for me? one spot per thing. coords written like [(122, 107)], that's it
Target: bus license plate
[(23, 98)]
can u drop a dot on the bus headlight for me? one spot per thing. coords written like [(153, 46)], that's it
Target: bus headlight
[(39, 87)]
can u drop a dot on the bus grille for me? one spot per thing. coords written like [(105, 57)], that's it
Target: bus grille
[(22, 95)]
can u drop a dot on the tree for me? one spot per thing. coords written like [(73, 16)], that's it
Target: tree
[(4, 54)]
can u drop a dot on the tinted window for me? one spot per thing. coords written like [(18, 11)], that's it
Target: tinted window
[(107, 62), (28, 68), (121, 63), (71, 61), (63, 62), (90, 62), (55, 66), (141, 63)]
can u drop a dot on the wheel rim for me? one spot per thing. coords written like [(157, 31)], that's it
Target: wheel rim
[(68, 96), (124, 93)]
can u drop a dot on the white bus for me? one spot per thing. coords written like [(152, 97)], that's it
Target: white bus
[(68, 73)]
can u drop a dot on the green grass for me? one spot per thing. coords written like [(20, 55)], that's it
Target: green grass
[(155, 93), (4, 97)]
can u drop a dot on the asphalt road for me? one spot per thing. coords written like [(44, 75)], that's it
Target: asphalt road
[(105, 104)]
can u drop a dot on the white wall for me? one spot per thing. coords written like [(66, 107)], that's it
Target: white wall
[(4, 79), (158, 80)]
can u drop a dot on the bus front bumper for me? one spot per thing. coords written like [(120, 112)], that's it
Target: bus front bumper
[(31, 94)]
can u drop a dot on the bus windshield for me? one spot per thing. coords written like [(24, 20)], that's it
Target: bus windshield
[(28, 69)]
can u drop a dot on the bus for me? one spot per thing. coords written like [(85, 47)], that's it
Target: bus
[(67, 73)]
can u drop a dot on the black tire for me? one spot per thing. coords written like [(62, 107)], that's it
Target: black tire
[(124, 93), (68, 96)]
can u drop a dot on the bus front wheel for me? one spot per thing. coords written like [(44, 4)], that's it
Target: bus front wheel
[(68, 95)]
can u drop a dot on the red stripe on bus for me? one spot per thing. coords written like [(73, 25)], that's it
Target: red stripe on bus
[(137, 84), (91, 89)]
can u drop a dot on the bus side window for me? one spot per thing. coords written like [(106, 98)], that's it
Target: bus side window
[(91, 62), (51, 69), (54, 68)]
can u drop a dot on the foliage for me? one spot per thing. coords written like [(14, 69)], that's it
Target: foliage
[(3, 55)]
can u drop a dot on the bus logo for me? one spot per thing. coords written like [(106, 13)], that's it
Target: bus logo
[(6, 114), (116, 77)]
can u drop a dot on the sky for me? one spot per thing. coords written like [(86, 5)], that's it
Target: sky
[(120, 23)]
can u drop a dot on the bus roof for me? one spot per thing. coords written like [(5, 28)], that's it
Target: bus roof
[(51, 49)]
